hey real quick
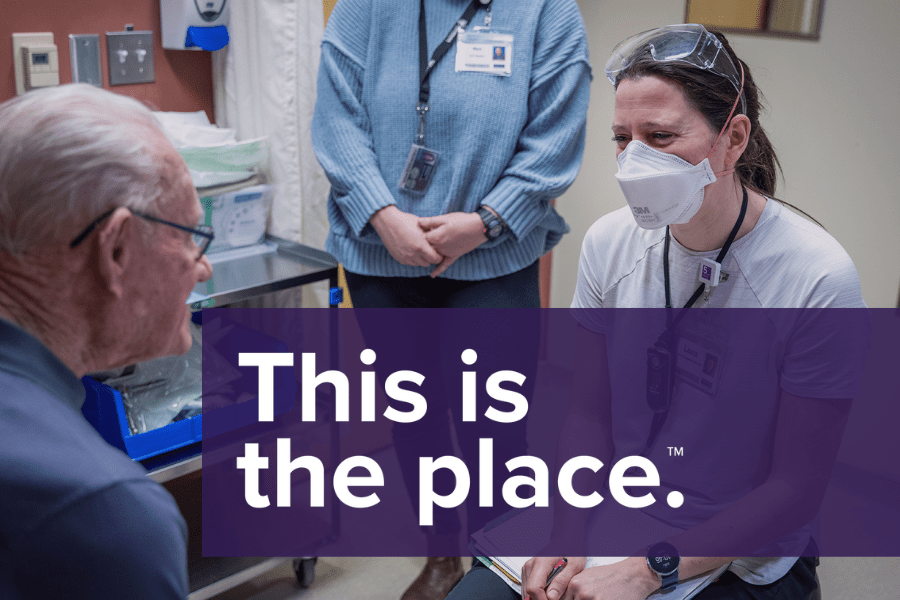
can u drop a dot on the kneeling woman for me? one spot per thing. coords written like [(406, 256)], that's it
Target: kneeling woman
[(699, 176)]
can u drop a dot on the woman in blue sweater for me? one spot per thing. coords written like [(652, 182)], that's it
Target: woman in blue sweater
[(442, 173), (507, 142)]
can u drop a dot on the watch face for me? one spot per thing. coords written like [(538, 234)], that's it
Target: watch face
[(495, 230), (663, 558)]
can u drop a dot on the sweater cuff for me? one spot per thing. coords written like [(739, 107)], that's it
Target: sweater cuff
[(520, 208), (359, 206)]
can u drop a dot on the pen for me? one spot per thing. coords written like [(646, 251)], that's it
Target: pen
[(554, 572), (559, 567)]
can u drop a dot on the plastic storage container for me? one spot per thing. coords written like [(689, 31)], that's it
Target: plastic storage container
[(104, 409)]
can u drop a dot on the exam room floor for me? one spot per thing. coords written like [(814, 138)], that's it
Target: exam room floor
[(387, 578)]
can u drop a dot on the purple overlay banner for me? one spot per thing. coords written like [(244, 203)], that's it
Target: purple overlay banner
[(400, 432)]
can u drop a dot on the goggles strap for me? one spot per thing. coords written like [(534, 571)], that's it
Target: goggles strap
[(731, 114), (725, 172)]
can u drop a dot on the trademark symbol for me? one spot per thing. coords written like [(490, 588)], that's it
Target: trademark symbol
[(676, 450)]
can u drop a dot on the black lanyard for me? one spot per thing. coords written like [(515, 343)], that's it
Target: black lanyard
[(670, 324), (667, 338), (426, 66)]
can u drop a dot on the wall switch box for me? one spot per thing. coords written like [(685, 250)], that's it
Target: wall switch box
[(84, 52), (36, 61), (130, 57)]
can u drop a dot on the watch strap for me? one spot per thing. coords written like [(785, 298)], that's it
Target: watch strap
[(491, 223), (669, 581)]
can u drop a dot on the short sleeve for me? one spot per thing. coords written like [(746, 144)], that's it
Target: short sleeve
[(826, 353), (588, 299)]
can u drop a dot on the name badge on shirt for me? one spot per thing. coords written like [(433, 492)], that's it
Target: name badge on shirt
[(700, 357), (483, 51)]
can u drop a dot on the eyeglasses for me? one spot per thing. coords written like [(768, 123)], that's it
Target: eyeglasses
[(687, 43), (202, 235)]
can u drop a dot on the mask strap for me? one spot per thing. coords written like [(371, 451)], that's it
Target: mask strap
[(728, 120)]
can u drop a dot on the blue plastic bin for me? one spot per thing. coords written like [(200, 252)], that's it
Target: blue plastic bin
[(103, 407)]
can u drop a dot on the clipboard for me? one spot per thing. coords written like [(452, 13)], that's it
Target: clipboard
[(484, 545)]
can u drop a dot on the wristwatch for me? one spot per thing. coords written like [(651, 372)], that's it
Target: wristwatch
[(493, 226), (663, 559)]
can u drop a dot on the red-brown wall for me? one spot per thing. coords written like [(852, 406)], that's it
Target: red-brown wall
[(183, 77)]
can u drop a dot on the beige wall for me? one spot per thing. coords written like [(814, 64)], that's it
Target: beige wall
[(834, 117)]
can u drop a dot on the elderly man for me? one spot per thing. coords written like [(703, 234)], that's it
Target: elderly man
[(98, 254)]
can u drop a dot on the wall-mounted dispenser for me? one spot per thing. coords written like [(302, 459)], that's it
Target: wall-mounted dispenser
[(194, 24)]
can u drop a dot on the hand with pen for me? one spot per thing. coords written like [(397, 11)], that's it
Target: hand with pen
[(629, 579), (545, 578)]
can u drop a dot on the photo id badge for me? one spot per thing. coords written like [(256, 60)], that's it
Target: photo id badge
[(700, 356), (483, 51), (419, 169)]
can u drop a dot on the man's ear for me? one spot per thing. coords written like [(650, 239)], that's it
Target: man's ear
[(736, 139), (117, 246)]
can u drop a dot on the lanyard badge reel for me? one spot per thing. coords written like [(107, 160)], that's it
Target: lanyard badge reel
[(660, 375), (422, 161), (660, 357), (660, 383)]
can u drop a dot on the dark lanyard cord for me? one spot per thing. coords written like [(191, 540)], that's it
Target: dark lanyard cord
[(426, 66), (659, 418), (671, 325)]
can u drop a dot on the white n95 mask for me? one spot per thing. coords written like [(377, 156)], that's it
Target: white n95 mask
[(661, 188)]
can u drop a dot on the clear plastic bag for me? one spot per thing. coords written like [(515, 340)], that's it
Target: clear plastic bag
[(157, 391)]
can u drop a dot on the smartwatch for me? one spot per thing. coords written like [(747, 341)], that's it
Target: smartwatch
[(663, 559), (493, 226)]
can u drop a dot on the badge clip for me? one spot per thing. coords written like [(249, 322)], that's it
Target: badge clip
[(710, 272)]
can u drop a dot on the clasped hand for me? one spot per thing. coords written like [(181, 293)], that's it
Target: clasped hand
[(625, 580), (424, 241)]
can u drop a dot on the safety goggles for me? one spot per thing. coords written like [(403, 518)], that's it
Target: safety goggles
[(688, 43)]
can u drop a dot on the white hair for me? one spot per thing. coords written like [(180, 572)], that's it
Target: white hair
[(67, 154)]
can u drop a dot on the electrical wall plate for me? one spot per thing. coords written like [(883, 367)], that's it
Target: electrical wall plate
[(130, 57), (84, 52)]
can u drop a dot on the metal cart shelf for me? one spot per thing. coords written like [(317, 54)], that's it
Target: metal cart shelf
[(247, 277), (233, 280)]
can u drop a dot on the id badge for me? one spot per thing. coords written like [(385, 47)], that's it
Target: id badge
[(419, 169), (700, 356), (484, 51), (659, 378)]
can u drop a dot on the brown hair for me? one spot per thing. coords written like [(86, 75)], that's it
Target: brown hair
[(713, 96)]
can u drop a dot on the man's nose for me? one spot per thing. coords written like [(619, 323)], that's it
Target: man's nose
[(205, 269)]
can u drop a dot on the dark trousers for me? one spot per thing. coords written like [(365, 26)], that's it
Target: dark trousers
[(480, 583), (434, 431), (516, 290)]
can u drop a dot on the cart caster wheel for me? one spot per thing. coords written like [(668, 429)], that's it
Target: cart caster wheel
[(305, 569)]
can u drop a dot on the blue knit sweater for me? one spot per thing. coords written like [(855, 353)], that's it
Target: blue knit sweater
[(511, 143)]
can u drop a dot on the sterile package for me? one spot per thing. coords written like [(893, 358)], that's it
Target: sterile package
[(188, 129), (237, 217), (213, 154), (225, 163), (159, 391)]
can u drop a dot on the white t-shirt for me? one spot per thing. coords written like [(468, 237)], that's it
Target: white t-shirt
[(784, 262)]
